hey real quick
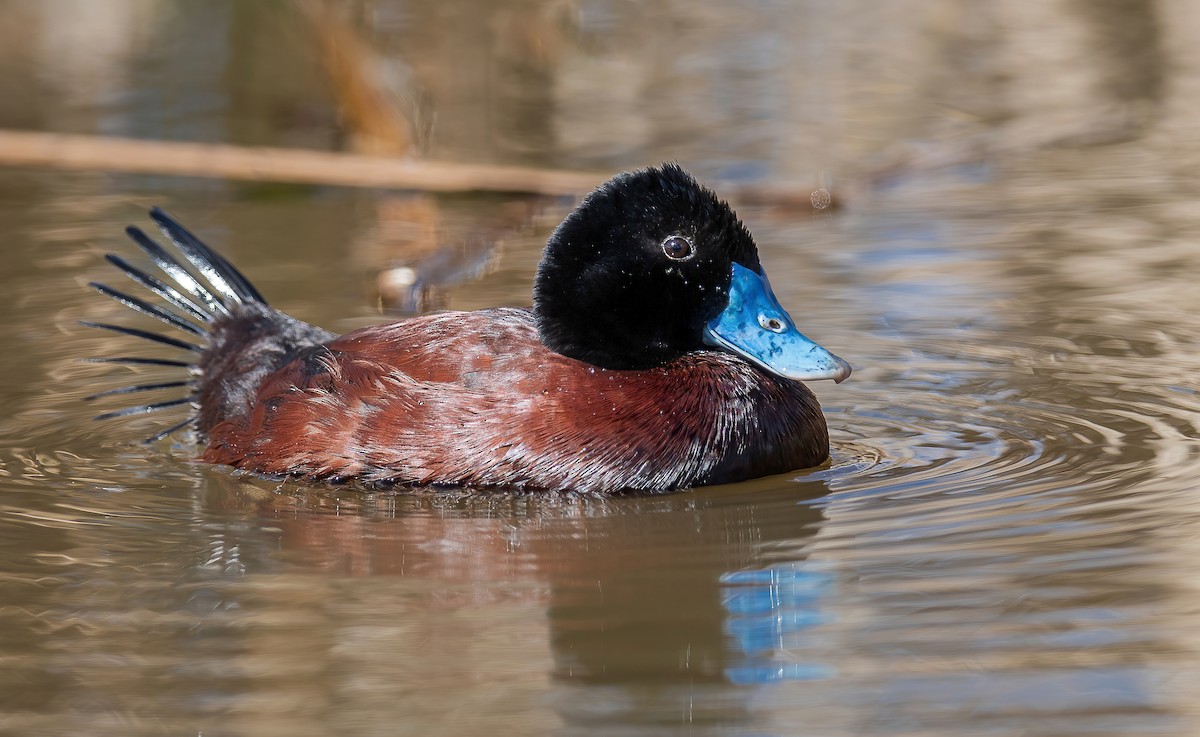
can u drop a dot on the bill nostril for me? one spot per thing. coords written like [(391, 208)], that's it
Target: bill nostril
[(774, 324)]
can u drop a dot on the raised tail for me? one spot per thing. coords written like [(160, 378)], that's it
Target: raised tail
[(231, 337)]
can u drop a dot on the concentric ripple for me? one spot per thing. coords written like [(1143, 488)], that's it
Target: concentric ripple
[(1018, 417)]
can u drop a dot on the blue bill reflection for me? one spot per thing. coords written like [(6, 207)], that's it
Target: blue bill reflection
[(767, 612)]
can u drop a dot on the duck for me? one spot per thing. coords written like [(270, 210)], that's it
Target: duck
[(655, 357)]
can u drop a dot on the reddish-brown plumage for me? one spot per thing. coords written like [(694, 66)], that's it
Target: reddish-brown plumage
[(475, 399), (607, 384)]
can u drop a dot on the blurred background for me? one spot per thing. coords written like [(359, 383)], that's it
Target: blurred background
[(791, 91), (1003, 543)]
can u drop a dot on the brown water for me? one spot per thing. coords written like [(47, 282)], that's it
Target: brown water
[(1004, 544)]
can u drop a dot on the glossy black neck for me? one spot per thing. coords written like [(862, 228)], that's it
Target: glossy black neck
[(613, 330)]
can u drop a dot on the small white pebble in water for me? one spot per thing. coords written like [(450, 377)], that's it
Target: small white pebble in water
[(821, 198), (400, 277)]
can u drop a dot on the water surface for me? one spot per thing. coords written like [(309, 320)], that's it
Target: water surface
[(1003, 543)]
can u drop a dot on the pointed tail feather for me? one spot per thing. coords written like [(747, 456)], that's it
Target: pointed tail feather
[(169, 431), (134, 361), (154, 337), (154, 285), (215, 268), (172, 268), (134, 389), (235, 340), (143, 408), (146, 308), (191, 302)]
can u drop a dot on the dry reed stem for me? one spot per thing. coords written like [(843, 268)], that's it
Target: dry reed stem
[(222, 161)]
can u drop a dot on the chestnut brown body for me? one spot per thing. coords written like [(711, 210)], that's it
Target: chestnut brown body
[(475, 399), (655, 357)]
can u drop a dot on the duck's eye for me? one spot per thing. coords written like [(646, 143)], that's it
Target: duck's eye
[(677, 247), (774, 324)]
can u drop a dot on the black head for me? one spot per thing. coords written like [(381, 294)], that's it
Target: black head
[(631, 277)]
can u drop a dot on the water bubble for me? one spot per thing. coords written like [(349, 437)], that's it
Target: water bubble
[(821, 198)]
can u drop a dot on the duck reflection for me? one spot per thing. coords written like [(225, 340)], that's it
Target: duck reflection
[(637, 608)]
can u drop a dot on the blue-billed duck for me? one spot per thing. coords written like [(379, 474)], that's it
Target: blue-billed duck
[(655, 357)]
